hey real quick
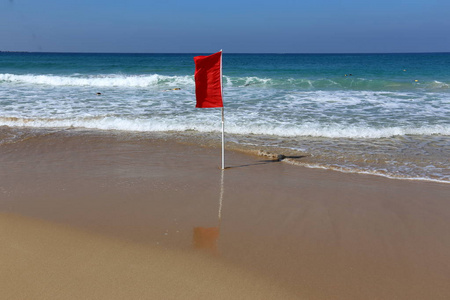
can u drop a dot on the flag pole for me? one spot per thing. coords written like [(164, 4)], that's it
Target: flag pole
[(223, 115), (223, 140)]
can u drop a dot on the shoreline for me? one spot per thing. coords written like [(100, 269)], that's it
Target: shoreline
[(297, 157), (305, 232)]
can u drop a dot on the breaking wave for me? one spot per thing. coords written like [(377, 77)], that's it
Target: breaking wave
[(114, 80), (181, 124), (154, 80)]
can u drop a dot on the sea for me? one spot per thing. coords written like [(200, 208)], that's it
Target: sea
[(381, 114)]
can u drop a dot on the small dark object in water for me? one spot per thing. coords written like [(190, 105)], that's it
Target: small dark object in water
[(98, 94)]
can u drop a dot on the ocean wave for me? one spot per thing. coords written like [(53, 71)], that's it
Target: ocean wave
[(181, 124), (337, 84), (338, 131), (155, 80), (114, 80), (439, 85)]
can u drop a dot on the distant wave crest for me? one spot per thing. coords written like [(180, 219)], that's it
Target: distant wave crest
[(155, 80), (113, 80)]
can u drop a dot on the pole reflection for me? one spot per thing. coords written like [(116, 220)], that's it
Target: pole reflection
[(205, 238)]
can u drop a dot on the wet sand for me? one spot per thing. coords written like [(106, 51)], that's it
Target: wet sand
[(91, 215)]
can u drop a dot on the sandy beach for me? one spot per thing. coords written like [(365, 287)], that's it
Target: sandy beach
[(91, 215)]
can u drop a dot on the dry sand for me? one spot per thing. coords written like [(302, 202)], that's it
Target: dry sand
[(91, 216), (42, 261)]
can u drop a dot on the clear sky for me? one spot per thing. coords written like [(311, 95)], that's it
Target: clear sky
[(238, 26)]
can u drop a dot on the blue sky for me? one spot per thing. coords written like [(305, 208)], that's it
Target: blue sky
[(245, 26)]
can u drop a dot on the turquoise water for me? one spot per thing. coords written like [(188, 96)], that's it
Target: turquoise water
[(383, 114)]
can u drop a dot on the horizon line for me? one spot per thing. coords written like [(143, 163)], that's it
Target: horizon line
[(256, 53)]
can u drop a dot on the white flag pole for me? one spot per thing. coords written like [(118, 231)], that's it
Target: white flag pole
[(223, 117), (223, 140)]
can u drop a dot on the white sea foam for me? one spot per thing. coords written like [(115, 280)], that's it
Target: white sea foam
[(439, 85), (205, 124), (336, 131), (114, 80), (122, 80), (107, 123), (356, 170)]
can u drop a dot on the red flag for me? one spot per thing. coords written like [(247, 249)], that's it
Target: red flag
[(208, 80)]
